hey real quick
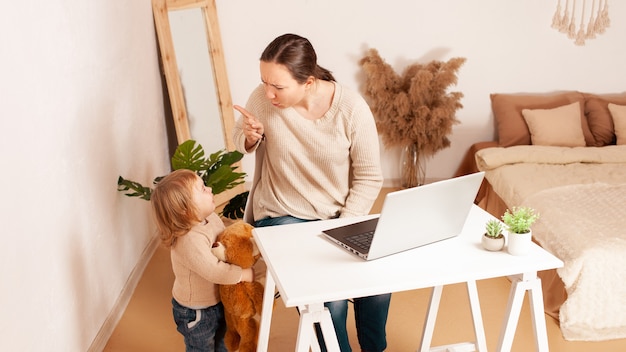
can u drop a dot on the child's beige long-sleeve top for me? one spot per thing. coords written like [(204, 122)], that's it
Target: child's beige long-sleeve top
[(197, 271)]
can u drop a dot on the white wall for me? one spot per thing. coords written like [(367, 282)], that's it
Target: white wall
[(80, 104), (509, 47)]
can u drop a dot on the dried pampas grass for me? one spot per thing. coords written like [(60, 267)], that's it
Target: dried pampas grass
[(414, 107)]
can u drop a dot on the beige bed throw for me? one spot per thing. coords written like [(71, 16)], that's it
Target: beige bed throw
[(585, 226)]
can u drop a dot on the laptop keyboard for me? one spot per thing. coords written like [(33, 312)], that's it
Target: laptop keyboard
[(361, 240)]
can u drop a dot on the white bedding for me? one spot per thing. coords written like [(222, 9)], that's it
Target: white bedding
[(581, 196)]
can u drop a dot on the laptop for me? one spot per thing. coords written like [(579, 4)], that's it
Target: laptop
[(411, 218)]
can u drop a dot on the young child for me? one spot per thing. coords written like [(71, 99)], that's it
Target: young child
[(184, 211)]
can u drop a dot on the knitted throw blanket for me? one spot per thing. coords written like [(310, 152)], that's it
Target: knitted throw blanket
[(585, 226)]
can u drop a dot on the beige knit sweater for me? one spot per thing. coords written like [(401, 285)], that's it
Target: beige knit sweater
[(197, 271), (314, 169)]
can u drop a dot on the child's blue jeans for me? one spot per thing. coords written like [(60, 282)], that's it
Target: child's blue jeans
[(203, 329)]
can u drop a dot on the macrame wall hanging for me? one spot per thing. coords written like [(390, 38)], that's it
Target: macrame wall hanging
[(570, 20)]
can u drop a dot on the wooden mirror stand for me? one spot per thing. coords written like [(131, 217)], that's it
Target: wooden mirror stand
[(161, 10)]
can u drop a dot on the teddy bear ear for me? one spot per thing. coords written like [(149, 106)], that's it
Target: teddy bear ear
[(248, 229)]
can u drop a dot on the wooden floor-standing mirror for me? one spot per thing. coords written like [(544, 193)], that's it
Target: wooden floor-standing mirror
[(193, 62)]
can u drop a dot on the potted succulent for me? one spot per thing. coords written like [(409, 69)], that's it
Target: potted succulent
[(493, 239), (518, 222)]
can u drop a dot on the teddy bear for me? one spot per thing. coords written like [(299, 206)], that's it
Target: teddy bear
[(242, 301)]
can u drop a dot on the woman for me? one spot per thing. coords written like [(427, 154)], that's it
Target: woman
[(317, 157)]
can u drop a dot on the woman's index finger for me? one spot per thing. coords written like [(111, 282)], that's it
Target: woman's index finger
[(243, 111)]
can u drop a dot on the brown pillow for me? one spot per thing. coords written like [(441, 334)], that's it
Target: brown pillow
[(618, 112), (510, 124), (555, 127), (599, 117)]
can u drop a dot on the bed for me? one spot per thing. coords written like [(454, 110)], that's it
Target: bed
[(564, 154)]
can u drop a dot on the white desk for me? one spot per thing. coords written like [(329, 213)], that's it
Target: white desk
[(309, 270)]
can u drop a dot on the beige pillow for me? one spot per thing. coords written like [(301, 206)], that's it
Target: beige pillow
[(556, 127), (510, 124), (618, 113)]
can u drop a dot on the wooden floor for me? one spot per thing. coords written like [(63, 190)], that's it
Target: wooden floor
[(147, 324)]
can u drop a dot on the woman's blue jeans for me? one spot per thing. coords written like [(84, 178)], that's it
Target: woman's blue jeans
[(370, 313)]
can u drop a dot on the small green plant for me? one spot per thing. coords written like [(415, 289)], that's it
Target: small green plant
[(493, 228), (519, 219), (216, 171)]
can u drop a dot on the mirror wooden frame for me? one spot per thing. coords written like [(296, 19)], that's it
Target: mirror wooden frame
[(160, 9)]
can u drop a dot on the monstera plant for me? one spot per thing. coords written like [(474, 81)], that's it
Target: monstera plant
[(216, 171)]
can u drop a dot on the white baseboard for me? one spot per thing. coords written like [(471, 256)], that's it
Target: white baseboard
[(107, 328)]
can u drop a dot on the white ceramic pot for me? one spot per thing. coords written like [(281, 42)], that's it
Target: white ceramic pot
[(519, 243), (492, 244)]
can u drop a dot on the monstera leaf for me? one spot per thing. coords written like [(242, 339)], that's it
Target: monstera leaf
[(190, 156), (133, 189), (218, 172)]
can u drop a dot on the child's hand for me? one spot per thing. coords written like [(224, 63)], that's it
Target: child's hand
[(247, 275)]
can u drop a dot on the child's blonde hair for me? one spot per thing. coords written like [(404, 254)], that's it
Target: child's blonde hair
[(173, 207)]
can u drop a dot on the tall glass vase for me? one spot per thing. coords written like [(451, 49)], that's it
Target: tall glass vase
[(413, 169)]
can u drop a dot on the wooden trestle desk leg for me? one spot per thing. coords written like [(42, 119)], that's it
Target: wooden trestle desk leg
[(431, 316), (519, 285), (266, 314), (309, 315)]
